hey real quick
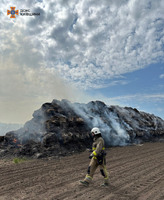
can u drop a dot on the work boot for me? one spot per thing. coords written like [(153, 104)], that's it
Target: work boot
[(84, 183), (104, 185)]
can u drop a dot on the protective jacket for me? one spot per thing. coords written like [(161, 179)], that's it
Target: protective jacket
[(98, 147)]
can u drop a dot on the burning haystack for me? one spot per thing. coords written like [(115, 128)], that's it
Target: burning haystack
[(62, 127)]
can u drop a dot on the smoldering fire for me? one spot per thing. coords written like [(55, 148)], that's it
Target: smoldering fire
[(62, 127)]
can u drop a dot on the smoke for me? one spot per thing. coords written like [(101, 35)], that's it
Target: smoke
[(119, 126), (97, 114), (4, 128), (119, 135), (26, 80)]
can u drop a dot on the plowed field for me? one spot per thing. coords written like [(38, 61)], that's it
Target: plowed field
[(136, 173)]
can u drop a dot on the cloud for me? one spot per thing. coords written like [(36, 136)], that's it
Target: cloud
[(162, 76), (87, 44), (25, 81), (24, 89), (108, 41), (89, 41), (140, 97), (150, 103)]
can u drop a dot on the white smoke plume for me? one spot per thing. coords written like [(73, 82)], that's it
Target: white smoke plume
[(98, 115), (119, 126)]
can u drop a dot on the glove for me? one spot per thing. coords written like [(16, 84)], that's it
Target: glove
[(90, 157)]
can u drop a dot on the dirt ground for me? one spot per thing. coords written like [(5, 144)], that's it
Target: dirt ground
[(136, 173)]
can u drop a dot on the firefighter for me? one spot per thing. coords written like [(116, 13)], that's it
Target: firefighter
[(98, 159)]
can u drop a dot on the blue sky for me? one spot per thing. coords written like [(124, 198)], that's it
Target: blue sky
[(142, 89), (109, 50)]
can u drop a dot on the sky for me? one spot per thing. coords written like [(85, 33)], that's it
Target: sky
[(81, 50)]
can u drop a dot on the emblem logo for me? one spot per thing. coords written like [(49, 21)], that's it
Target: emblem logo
[(12, 12)]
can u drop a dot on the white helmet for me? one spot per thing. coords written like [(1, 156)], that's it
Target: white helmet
[(96, 131)]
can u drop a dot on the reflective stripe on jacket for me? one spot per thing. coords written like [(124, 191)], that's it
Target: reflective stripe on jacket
[(98, 146)]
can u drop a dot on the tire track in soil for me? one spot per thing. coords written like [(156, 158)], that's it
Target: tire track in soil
[(52, 181), (117, 187), (152, 192), (137, 170), (137, 188), (100, 194), (32, 168), (134, 153), (34, 173), (22, 172), (63, 195)]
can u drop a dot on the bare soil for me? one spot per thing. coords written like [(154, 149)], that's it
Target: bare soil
[(136, 173)]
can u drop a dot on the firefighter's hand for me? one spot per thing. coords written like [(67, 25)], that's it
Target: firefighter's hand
[(90, 157)]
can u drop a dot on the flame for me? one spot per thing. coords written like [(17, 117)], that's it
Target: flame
[(15, 140)]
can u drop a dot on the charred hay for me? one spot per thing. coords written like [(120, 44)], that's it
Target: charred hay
[(61, 128)]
